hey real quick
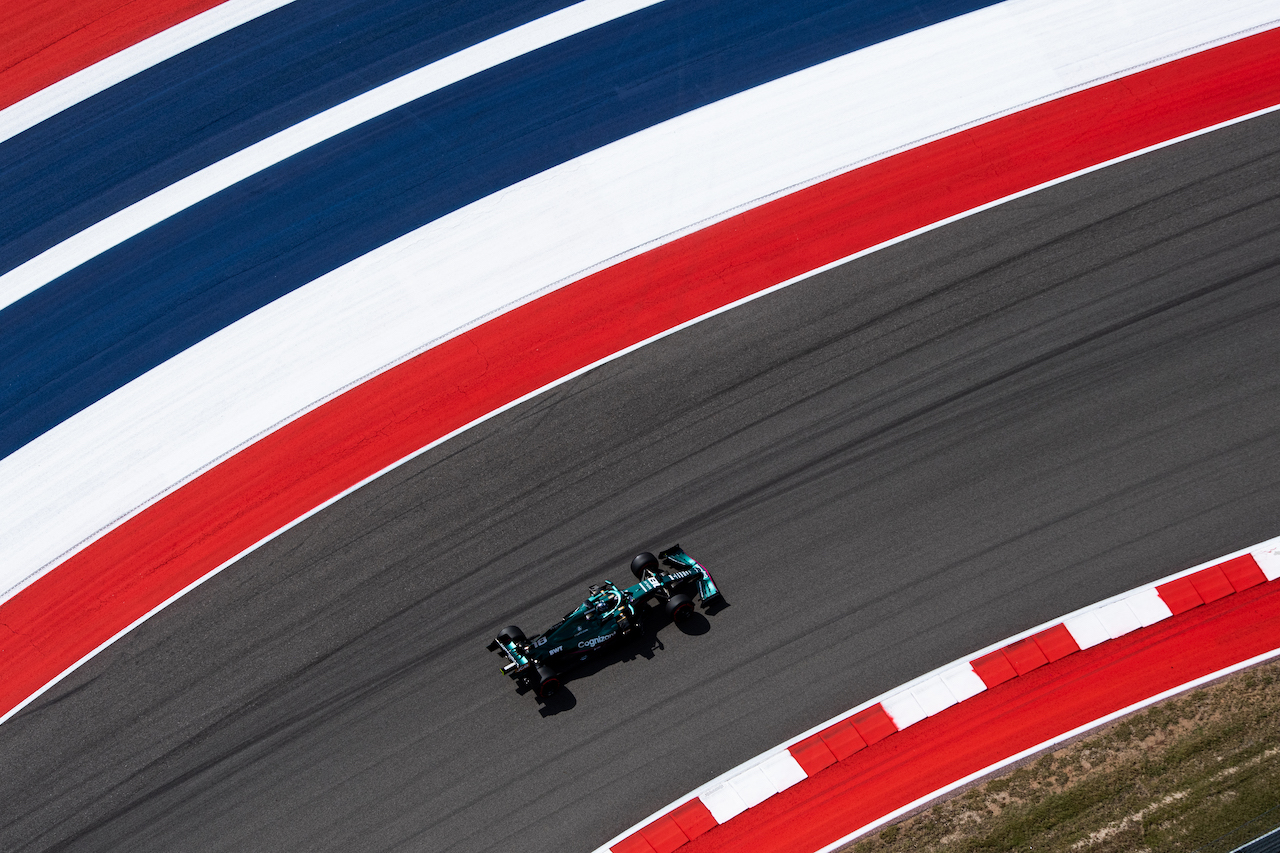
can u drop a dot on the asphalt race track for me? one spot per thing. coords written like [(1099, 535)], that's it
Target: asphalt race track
[(886, 466)]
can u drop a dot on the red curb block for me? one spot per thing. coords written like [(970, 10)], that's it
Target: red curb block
[(633, 844), (1211, 584), (873, 724), (813, 755), (663, 835), (842, 740), (994, 668), (1056, 643), (693, 818), (1180, 595), (1025, 655), (1243, 572)]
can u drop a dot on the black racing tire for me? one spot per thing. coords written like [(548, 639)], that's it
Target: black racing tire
[(642, 562), (511, 632), (548, 682), (679, 608)]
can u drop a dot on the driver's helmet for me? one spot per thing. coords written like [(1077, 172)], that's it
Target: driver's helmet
[(601, 601)]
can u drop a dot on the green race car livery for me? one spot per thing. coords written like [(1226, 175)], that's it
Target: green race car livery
[(609, 616)]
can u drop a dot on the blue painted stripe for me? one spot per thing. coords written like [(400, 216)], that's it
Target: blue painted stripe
[(90, 332), (170, 121)]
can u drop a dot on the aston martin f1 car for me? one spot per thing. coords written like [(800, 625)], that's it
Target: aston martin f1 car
[(609, 617)]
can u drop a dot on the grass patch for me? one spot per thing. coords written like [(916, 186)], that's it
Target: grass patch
[(1173, 777)]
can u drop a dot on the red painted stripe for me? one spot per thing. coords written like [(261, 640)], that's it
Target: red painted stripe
[(1002, 722), (70, 611), (43, 41)]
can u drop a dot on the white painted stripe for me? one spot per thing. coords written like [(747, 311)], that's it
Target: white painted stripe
[(1148, 606), (1260, 844), (104, 74), (138, 217), (723, 802), (86, 475), (1087, 630), (753, 785), (951, 670), (962, 681), (933, 697), (1118, 619), (783, 770), (1267, 557), (903, 709)]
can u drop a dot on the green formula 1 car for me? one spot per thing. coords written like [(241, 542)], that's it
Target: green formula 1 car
[(608, 617)]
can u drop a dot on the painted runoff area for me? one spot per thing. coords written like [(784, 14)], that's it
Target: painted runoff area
[(982, 713), (97, 468), (576, 94), (212, 179), (159, 552)]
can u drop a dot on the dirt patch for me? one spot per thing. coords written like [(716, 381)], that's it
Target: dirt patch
[(1173, 777)]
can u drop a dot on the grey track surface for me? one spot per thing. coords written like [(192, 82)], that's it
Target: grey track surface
[(886, 466)]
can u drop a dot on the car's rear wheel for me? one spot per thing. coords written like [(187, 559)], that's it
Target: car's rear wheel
[(548, 682), (679, 607), (512, 633)]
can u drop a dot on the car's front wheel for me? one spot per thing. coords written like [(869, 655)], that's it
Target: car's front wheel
[(643, 562), (679, 608)]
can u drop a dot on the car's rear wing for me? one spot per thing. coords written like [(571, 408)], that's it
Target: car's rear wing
[(518, 661), (676, 557)]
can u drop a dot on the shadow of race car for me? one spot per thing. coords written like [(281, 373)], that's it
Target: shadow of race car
[(607, 618)]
